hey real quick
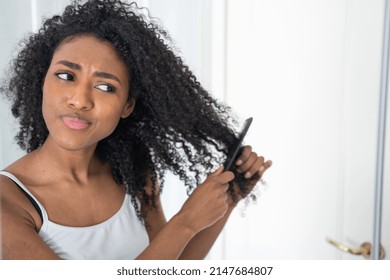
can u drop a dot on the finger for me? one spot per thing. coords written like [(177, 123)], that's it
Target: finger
[(245, 153), (264, 167), (224, 188), (217, 172), (248, 163), (225, 177), (254, 167)]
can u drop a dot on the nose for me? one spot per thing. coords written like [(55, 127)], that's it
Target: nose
[(81, 98)]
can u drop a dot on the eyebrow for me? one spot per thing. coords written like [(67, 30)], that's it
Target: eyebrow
[(76, 66), (107, 76), (69, 64)]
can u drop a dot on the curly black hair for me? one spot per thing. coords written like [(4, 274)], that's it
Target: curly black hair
[(176, 124)]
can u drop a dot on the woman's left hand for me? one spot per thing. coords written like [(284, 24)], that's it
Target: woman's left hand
[(252, 167)]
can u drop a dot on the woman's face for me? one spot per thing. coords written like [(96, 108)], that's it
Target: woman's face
[(85, 92)]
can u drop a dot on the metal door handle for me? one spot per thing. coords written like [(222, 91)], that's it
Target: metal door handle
[(364, 249)]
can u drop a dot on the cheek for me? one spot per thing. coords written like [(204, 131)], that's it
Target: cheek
[(46, 102), (47, 99), (111, 116), (50, 102)]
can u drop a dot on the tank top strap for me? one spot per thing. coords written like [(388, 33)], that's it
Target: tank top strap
[(38, 206)]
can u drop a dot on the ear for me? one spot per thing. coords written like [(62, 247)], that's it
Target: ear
[(128, 109)]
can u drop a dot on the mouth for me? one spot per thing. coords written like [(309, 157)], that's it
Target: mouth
[(75, 122)]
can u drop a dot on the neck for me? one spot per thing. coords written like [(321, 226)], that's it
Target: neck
[(77, 165)]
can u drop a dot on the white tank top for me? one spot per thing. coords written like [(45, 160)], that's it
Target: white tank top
[(121, 237)]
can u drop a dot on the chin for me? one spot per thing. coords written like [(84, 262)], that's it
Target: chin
[(73, 143)]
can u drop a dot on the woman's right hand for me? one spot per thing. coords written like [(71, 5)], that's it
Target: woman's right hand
[(208, 203)]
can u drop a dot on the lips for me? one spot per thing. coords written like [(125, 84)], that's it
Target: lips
[(76, 123)]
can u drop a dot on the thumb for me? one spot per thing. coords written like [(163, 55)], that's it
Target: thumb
[(217, 172)]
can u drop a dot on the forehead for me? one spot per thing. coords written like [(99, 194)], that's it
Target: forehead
[(91, 52)]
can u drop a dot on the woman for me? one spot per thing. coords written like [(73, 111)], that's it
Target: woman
[(105, 108)]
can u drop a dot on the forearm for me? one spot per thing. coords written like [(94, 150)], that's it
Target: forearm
[(194, 229), (169, 243), (201, 243)]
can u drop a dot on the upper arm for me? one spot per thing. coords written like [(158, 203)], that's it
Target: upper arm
[(19, 236)]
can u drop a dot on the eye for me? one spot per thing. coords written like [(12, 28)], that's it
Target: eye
[(106, 87), (65, 76)]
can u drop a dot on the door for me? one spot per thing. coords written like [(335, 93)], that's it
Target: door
[(309, 74), (363, 58)]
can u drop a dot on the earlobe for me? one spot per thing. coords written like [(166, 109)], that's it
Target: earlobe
[(129, 108)]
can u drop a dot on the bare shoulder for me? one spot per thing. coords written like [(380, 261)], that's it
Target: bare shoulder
[(16, 211), (15, 204), (26, 170), (22, 166), (20, 223), (12, 197)]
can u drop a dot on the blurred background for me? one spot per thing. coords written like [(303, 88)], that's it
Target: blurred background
[(308, 72)]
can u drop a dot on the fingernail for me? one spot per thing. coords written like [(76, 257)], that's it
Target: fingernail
[(239, 162), (247, 175)]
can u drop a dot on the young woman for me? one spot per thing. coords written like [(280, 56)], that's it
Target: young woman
[(105, 108)]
